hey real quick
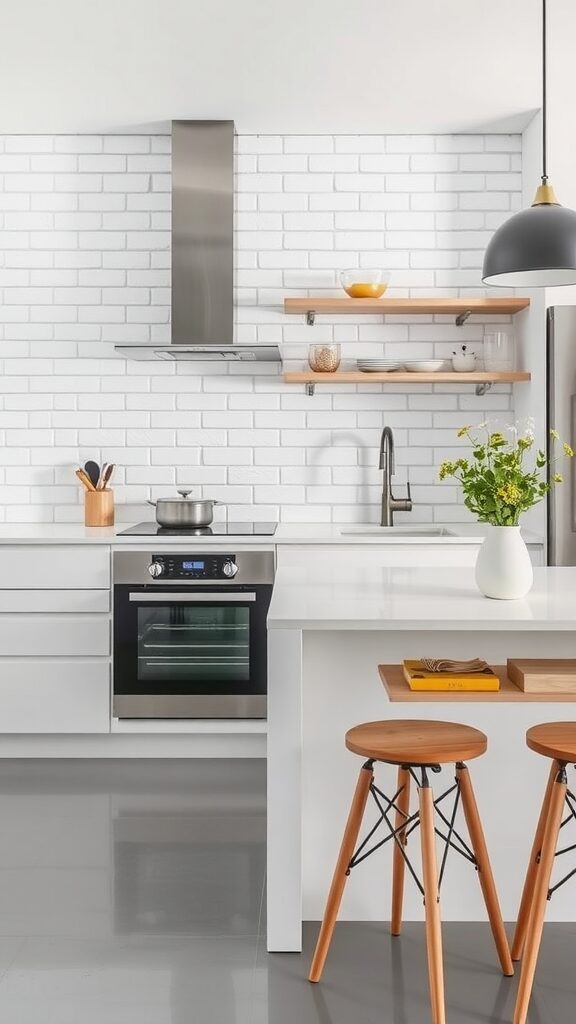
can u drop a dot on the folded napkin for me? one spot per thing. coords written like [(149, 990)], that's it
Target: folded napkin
[(458, 667)]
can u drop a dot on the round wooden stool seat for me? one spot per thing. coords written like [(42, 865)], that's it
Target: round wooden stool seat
[(554, 739), (407, 741)]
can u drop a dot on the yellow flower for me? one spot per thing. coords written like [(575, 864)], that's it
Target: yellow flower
[(446, 469), (568, 450), (557, 478), (555, 435), (509, 493), (497, 440), (463, 431)]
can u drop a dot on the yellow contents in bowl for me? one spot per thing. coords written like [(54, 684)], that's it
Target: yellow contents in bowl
[(365, 290)]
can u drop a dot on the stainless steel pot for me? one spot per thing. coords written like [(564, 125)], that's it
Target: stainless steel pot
[(184, 512)]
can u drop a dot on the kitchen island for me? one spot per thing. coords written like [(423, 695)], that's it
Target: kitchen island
[(331, 623)]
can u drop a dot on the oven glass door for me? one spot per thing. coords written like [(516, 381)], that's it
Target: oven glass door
[(190, 640)]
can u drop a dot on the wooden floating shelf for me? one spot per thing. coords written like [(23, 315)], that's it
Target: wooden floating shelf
[(398, 377), (461, 308), (398, 691)]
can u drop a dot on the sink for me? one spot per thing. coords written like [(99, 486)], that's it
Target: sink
[(370, 529)]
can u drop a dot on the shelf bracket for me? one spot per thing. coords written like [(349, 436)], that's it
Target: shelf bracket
[(482, 389), (310, 317), (310, 388), (462, 317)]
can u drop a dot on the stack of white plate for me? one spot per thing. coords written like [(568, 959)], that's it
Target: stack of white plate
[(379, 365)]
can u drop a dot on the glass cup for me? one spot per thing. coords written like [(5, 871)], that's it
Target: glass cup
[(499, 351)]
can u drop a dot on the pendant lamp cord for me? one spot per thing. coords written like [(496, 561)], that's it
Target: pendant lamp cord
[(544, 144)]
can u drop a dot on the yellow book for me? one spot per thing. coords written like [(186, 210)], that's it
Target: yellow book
[(419, 678)]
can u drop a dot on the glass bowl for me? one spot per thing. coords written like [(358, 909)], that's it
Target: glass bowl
[(361, 283), (324, 358)]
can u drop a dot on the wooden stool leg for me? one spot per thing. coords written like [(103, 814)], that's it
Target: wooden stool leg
[(533, 864), (431, 904), (398, 862), (485, 875), (339, 878), (541, 884)]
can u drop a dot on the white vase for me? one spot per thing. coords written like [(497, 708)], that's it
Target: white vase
[(503, 566)]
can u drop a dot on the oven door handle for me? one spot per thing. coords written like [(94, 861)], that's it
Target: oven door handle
[(189, 598)]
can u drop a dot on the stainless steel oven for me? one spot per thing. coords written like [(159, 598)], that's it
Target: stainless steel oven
[(190, 634)]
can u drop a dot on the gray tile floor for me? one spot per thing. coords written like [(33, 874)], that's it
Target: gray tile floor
[(132, 892)]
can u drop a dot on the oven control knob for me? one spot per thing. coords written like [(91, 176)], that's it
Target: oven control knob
[(156, 569), (229, 569)]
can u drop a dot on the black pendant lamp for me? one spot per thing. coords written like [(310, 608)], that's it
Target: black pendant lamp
[(535, 248)]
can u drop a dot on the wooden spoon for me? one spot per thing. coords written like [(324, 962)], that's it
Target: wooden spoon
[(85, 479)]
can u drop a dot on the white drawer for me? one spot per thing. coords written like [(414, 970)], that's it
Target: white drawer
[(75, 601), (55, 567), (53, 635), (54, 696)]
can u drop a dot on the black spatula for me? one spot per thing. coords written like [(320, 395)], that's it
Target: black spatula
[(93, 471)]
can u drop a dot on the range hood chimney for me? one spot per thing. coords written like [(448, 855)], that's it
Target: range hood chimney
[(202, 250)]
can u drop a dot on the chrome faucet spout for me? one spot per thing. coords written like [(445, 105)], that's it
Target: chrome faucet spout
[(387, 451), (386, 463)]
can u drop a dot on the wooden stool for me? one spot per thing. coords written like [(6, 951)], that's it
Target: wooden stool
[(556, 740), (415, 746)]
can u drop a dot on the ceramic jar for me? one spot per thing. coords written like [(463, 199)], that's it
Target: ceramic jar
[(503, 566), (463, 361)]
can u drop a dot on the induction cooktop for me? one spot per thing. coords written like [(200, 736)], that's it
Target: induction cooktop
[(152, 529)]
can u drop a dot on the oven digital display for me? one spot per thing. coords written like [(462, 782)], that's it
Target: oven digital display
[(193, 566)]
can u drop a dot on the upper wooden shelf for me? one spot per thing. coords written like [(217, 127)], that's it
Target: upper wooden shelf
[(398, 691), (461, 308)]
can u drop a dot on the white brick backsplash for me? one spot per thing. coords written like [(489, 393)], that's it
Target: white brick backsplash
[(385, 163), (308, 144), (284, 163), (308, 182), (86, 264), (504, 182), (333, 162)]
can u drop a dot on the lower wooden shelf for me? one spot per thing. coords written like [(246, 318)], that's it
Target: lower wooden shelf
[(403, 377), (398, 691)]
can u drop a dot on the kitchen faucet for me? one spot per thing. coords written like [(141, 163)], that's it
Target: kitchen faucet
[(390, 504)]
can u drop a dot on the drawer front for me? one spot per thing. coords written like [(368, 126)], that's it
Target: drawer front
[(55, 567), (53, 635), (54, 696), (75, 601)]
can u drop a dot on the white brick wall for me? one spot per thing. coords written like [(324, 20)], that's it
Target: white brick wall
[(85, 264)]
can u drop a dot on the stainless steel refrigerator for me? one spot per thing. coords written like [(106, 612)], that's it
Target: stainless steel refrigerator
[(561, 415)]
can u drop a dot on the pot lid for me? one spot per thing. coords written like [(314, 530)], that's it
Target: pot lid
[(184, 493)]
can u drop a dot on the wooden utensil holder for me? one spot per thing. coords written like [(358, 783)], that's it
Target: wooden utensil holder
[(99, 508)]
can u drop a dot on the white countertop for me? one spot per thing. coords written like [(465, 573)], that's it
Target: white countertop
[(400, 598), (287, 533)]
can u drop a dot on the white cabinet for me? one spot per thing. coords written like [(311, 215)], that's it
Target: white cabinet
[(54, 635), (55, 567), (54, 696), (74, 601), (55, 631)]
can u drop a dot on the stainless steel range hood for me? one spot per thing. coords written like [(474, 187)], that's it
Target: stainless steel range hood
[(202, 250)]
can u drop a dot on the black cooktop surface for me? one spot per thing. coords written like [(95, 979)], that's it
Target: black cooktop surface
[(215, 530)]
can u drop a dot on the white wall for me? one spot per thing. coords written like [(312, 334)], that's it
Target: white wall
[(323, 66), (86, 264)]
